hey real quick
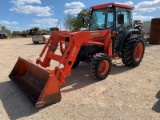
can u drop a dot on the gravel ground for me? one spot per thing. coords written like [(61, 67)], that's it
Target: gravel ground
[(127, 93)]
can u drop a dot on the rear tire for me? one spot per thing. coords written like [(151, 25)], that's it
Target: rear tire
[(133, 51), (100, 66)]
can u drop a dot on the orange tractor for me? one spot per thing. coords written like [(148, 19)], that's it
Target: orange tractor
[(111, 35)]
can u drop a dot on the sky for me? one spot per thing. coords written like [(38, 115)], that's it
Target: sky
[(19, 15)]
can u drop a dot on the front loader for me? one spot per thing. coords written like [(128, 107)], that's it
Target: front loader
[(111, 35)]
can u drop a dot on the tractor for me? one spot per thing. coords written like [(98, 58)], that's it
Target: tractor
[(111, 35)]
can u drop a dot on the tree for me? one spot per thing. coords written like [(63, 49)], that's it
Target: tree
[(4, 29), (75, 23), (84, 14), (16, 32), (68, 22)]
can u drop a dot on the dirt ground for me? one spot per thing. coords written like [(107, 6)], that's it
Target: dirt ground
[(127, 93)]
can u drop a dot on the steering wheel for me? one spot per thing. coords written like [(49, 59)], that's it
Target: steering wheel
[(108, 25)]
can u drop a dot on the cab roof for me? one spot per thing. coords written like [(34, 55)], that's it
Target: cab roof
[(115, 4)]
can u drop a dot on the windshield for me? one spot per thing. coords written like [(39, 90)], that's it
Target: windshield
[(102, 19)]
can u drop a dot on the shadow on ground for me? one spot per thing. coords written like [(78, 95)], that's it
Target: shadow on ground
[(150, 45), (35, 44), (117, 69), (156, 106), (16, 104), (80, 76)]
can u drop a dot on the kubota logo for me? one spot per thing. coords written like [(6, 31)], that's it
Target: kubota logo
[(94, 33)]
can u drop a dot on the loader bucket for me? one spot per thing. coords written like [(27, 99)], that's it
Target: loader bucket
[(39, 84)]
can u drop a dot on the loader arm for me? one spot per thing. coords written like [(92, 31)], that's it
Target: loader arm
[(72, 41)]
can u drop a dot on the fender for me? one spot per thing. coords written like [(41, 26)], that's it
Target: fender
[(125, 36)]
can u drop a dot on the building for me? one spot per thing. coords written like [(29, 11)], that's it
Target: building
[(146, 26)]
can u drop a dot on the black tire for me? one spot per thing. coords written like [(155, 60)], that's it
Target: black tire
[(95, 64), (133, 51)]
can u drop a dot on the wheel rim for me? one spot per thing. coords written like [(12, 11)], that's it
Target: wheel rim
[(138, 51), (103, 67)]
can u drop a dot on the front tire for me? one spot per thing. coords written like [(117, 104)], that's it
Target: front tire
[(133, 51), (100, 66)]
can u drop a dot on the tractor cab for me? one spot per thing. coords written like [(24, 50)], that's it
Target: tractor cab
[(111, 16)]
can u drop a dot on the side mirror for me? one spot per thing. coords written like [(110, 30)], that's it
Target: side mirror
[(120, 18)]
